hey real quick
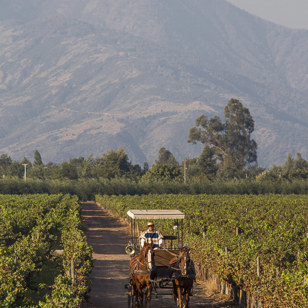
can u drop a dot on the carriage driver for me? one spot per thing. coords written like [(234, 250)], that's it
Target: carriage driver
[(151, 236)]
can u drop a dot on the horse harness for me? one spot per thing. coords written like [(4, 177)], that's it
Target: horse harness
[(141, 271), (190, 272)]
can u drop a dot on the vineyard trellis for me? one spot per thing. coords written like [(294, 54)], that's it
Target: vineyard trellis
[(33, 228), (257, 242)]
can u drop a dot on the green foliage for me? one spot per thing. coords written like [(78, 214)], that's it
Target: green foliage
[(163, 173), (36, 172), (10, 168), (86, 189), (5, 162), (32, 227), (113, 164), (165, 157), (239, 126), (62, 294), (231, 141), (114, 167), (293, 169), (68, 171), (207, 164), (37, 159)]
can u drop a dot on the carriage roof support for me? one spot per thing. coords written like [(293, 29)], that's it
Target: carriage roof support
[(154, 214)]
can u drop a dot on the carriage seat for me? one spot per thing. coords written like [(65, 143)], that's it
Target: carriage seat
[(162, 257), (170, 238)]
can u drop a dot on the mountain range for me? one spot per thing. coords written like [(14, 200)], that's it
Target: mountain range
[(83, 77)]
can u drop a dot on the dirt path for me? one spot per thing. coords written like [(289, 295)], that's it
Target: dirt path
[(108, 237)]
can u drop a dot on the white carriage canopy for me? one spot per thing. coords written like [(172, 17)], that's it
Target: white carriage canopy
[(155, 214)]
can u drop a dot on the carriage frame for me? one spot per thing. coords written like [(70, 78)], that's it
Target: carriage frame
[(162, 256)]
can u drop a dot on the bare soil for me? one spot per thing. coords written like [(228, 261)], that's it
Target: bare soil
[(108, 236)]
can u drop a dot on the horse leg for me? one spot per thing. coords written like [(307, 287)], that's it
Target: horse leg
[(179, 294), (175, 297), (188, 288), (134, 294), (132, 297), (186, 304), (148, 295), (139, 295), (137, 299)]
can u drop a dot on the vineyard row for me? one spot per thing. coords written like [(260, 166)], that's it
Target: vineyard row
[(44, 256), (256, 242)]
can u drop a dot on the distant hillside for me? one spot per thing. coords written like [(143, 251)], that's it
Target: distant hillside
[(83, 77)]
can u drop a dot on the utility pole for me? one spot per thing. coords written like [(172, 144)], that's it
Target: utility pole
[(25, 174), (185, 171)]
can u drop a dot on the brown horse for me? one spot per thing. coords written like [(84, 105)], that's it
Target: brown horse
[(140, 269), (183, 276)]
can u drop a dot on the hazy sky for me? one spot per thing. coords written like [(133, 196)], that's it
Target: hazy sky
[(289, 13)]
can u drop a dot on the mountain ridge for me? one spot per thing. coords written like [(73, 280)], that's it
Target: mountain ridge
[(82, 80)]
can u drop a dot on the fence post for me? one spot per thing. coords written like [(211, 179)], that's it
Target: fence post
[(72, 272), (258, 266)]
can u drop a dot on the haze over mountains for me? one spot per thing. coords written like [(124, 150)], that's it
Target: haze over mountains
[(86, 76)]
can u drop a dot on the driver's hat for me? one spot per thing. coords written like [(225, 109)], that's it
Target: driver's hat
[(150, 223)]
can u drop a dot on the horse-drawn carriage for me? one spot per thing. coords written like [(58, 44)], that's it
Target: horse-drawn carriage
[(151, 269)]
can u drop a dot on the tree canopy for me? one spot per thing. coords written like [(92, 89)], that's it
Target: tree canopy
[(231, 142), (37, 159), (163, 173), (165, 157)]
